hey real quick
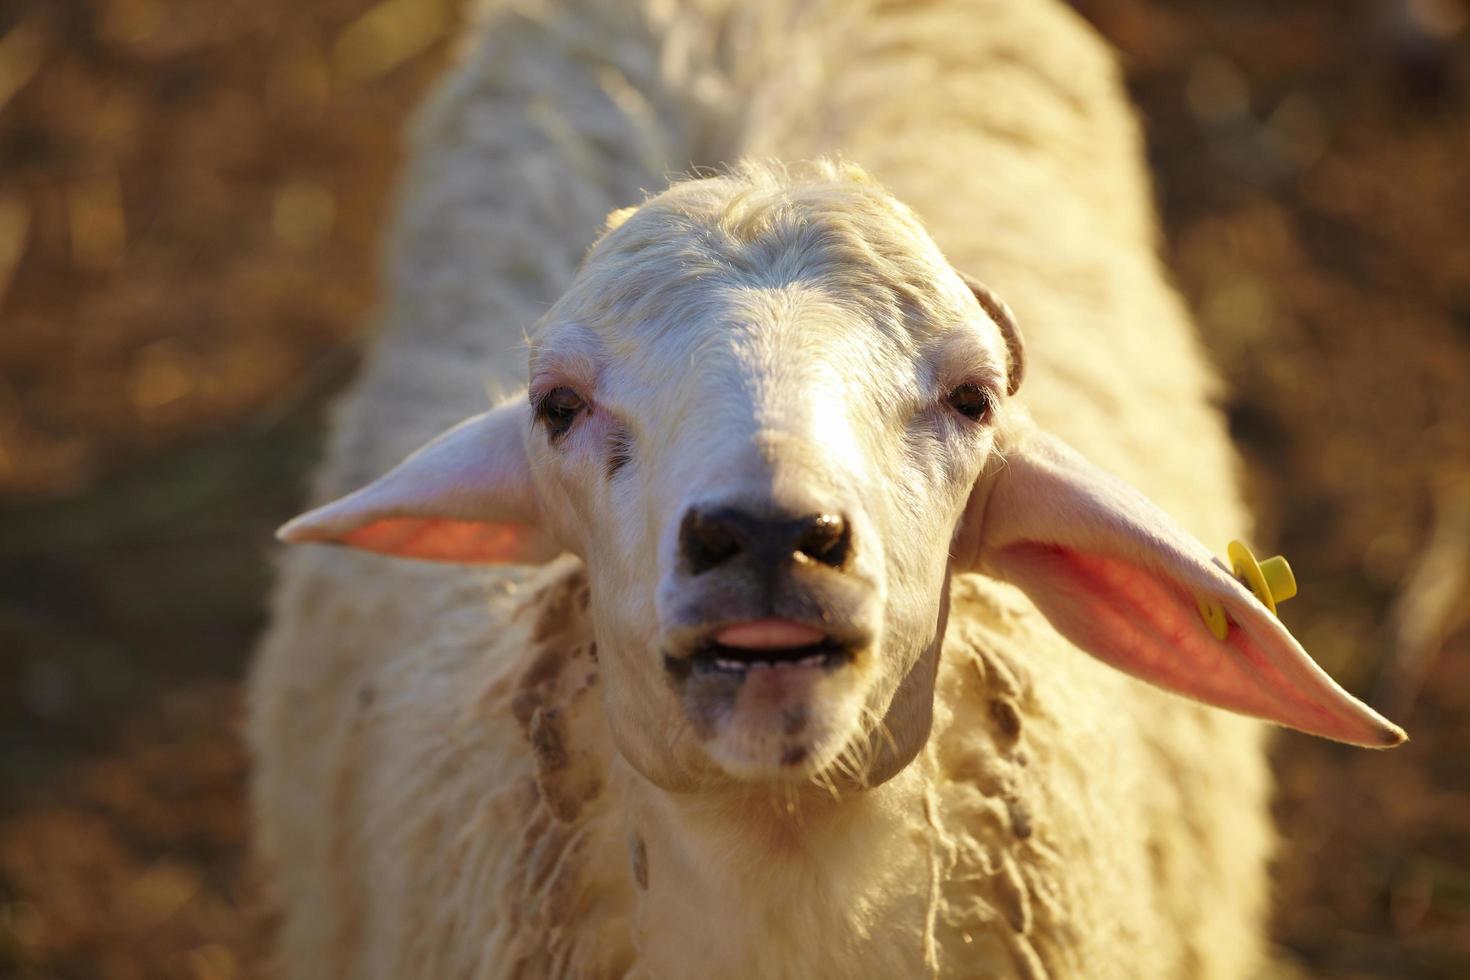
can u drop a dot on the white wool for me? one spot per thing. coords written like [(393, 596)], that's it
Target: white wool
[(437, 793)]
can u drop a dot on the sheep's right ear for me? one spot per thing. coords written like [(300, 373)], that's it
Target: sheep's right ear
[(465, 497)]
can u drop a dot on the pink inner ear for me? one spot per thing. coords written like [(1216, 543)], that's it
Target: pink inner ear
[(442, 540), (1146, 625)]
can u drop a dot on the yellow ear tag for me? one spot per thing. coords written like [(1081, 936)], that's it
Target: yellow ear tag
[(1270, 581)]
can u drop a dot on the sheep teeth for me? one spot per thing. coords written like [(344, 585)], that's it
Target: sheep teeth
[(741, 666)]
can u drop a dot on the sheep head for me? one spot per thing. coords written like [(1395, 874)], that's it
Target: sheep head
[(773, 421)]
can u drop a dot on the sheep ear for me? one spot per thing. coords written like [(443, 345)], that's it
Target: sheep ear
[(1119, 578), (464, 497)]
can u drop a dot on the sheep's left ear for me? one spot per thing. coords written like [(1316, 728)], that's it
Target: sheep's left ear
[(464, 497), (1119, 578)]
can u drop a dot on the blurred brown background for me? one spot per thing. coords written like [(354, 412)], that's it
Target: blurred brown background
[(191, 202)]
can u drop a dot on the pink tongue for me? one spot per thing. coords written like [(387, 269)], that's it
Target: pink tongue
[(769, 634)]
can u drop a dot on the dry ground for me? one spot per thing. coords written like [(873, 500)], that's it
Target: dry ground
[(191, 196)]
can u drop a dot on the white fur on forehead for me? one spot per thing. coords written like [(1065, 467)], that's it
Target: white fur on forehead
[(824, 223)]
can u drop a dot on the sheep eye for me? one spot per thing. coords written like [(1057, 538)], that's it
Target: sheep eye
[(971, 401), (558, 409)]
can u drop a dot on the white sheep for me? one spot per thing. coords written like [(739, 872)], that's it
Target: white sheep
[(730, 733)]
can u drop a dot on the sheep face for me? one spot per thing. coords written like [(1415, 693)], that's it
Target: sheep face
[(758, 414), (772, 419)]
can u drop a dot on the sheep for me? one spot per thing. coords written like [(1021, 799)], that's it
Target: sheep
[(771, 625)]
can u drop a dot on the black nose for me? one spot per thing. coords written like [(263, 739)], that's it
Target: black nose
[(708, 538)]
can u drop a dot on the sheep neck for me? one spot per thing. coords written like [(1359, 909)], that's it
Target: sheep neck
[(786, 880)]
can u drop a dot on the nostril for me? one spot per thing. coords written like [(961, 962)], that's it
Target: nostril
[(708, 539), (824, 538)]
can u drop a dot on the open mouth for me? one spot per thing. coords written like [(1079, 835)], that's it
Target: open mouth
[(772, 644)]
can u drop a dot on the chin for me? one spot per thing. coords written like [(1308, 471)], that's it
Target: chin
[(776, 721)]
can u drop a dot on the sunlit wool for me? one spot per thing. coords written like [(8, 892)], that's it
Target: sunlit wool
[(442, 790)]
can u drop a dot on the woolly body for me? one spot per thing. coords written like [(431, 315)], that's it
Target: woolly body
[(437, 793)]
